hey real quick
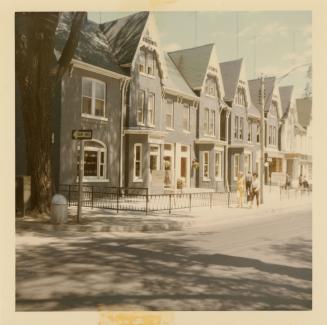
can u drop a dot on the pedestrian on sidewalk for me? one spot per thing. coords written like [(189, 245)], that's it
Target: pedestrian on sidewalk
[(300, 181), (255, 189), (240, 189), (248, 186)]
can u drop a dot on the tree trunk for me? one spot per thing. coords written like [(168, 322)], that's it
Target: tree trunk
[(37, 72)]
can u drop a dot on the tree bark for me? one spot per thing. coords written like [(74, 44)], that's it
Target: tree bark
[(35, 63)]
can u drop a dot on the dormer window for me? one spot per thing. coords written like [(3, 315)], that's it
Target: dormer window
[(274, 107), (240, 96), (146, 64), (211, 87)]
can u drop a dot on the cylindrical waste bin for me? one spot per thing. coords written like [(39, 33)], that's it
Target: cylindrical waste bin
[(59, 209)]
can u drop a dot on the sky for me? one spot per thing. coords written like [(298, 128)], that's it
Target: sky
[(270, 42)]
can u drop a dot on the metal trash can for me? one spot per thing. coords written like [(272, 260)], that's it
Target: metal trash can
[(59, 209)]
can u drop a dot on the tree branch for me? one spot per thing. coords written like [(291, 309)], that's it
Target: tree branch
[(71, 44)]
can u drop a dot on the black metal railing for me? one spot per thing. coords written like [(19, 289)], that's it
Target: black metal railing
[(294, 192), (139, 199)]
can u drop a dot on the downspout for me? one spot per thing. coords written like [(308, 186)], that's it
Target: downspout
[(123, 107)]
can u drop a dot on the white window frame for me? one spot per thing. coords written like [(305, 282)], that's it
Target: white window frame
[(186, 113), (241, 128), (102, 150), (169, 106), (142, 59), (204, 154), (151, 109), (140, 177), (218, 177), (236, 172), (250, 134), (149, 63), (212, 123), (236, 127), (139, 93), (93, 98)]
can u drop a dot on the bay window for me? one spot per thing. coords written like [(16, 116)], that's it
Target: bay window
[(140, 107), (186, 117), (151, 108), (205, 170), (212, 123), (137, 162)]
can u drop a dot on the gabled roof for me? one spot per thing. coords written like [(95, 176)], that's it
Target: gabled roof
[(193, 63), (304, 110), (285, 93), (253, 111), (255, 86), (230, 72), (175, 80), (92, 47), (123, 35)]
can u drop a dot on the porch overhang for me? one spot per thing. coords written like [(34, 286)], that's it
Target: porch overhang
[(152, 133), (210, 141)]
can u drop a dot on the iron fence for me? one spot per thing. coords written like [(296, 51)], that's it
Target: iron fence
[(139, 199), (294, 193)]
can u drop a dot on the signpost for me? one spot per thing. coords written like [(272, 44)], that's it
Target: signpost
[(81, 135)]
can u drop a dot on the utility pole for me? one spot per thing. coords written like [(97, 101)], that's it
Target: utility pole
[(262, 126)]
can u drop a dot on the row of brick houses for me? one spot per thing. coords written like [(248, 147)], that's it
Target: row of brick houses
[(161, 119)]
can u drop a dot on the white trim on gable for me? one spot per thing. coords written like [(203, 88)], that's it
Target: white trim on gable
[(151, 26), (214, 62)]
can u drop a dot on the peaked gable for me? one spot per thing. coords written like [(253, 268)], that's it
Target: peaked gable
[(230, 72), (92, 48), (304, 110), (123, 35), (285, 94), (193, 63)]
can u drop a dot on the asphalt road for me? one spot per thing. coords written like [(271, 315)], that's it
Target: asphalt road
[(258, 264)]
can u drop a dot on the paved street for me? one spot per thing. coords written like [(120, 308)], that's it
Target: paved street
[(258, 263)]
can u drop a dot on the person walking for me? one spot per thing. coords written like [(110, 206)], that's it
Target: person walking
[(300, 180), (240, 189), (248, 186), (255, 189)]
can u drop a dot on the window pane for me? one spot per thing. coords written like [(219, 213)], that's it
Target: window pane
[(102, 157), (90, 163), (87, 87), (99, 90), (138, 153), (142, 60), (99, 107), (87, 105), (101, 170), (137, 169)]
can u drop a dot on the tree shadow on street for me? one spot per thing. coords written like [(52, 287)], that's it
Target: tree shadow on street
[(157, 274)]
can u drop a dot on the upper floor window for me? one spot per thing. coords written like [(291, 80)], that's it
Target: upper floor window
[(146, 61), (186, 117), (151, 108), (211, 87), (249, 131), (236, 127), (206, 121), (169, 114), (140, 107), (240, 96), (95, 157), (258, 133), (270, 134), (241, 133), (212, 122), (93, 97)]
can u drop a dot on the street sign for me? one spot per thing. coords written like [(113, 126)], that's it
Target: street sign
[(82, 134)]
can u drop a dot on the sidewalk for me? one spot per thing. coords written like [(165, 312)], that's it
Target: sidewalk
[(100, 220)]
